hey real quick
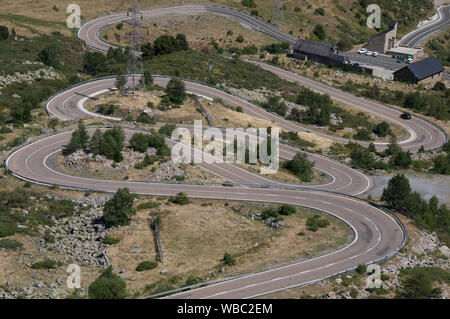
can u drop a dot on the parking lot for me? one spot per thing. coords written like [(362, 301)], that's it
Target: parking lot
[(385, 61)]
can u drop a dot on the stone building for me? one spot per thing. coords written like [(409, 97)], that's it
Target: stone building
[(384, 41), (429, 70), (317, 52)]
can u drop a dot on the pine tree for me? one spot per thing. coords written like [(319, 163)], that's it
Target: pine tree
[(397, 192)]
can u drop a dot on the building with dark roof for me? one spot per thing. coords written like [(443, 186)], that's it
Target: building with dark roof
[(384, 41), (318, 52), (429, 70)]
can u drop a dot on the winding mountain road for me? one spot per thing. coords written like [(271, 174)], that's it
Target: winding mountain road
[(414, 38), (377, 235)]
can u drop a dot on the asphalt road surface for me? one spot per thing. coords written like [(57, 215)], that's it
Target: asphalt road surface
[(414, 38), (376, 234)]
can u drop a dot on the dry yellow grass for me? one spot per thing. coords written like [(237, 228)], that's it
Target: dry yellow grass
[(191, 245), (197, 29)]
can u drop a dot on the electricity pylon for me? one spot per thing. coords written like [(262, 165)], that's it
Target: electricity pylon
[(278, 13), (135, 66)]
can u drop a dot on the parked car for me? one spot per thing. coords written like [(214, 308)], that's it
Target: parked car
[(362, 51), (369, 53), (406, 116), (400, 59), (375, 54), (410, 60)]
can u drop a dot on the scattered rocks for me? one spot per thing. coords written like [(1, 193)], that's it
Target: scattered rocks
[(78, 238), (29, 77)]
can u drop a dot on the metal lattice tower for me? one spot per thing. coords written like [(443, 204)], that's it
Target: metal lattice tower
[(135, 67), (278, 13)]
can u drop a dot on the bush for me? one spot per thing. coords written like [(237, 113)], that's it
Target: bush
[(108, 286), (46, 264), (148, 160), (192, 281), (363, 135), (270, 213), (286, 210), (301, 167), (319, 11), (139, 142), (418, 283), (228, 259), (7, 229), (147, 265), (148, 205), (345, 44), (146, 119), (9, 244), (361, 269), (118, 210), (110, 240), (94, 63), (382, 129), (4, 32), (167, 129), (319, 31), (248, 3), (315, 222), (180, 199), (176, 91)]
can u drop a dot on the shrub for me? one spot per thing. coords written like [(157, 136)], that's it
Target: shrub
[(118, 210), (301, 167), (147, 265), (361, 269), (139, 142), (146, 119), (4, 32), (319, 31), (179, 199), (94, 63), (240, 38), (191, 280), (110, 240), (9, 244), (167, 129), (148, 205), (315, 222), (228, 259), (7, 229), (46, 264), (286, 210), (270, 213), (382, 129), (176, 91), (248, 3), (363, 135), (319, 11), (148, 160), (108, 286)]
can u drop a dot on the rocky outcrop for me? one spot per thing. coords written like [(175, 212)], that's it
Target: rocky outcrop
[(30, 76), (78, 238)]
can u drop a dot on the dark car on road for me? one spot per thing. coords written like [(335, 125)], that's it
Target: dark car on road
[(406, 116)]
